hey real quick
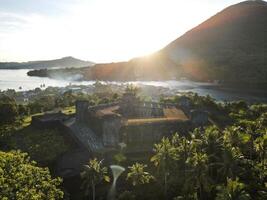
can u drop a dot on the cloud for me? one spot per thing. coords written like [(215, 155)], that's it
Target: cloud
[(11, 21)]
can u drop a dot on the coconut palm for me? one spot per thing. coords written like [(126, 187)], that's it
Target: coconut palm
[(138, 175), (184, 151), (164, 157), (212, 145), (230, 163), (233, 190), (231, 136), (92, 175), (199, 173), (260, 145)]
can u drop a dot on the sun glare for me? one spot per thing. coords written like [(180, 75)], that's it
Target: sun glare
[(102, 31), (121, 29)]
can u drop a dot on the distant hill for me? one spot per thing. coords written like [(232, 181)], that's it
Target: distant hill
[(230, 46), (66, 62)]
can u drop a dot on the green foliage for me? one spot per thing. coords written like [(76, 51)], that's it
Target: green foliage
[(21, 179), (23, 110), (35, 107), (164, 159), (138, 175), (44, 103), (132, 89), (92, 175), (195, 101), (126, 195), (37, 143), (216, 163), (165, 153), (8, 110), (119, 158), (42, 145), (233, 190), (228, 162), (6, 132), (238, 105)]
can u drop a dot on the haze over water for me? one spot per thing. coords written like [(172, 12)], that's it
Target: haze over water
[(14, 79)]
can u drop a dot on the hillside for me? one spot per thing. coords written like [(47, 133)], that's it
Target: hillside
[(66, 62), (144, 68), (230, 46)]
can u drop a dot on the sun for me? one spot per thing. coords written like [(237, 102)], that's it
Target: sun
[(103, 30)]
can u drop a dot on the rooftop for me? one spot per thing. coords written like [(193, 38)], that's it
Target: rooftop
[(109, 111), (170, 115)]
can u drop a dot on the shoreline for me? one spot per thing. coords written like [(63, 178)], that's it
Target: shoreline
[(228, 88)]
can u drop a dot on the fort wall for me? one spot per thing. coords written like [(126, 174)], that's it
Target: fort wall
[(141, 138), (111, 129), (81, 111)]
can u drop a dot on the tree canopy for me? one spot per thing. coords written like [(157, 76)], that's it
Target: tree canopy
[(21, 179)]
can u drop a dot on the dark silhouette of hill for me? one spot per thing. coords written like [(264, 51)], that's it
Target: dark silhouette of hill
[(66, 62), (144, 68), (230, 46)]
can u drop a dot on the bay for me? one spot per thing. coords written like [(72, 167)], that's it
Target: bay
[(19, 81)]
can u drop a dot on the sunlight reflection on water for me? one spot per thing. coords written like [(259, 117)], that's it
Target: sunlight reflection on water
[(14, 79)]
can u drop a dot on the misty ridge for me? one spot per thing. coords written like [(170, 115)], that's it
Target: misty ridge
[(65, 62)]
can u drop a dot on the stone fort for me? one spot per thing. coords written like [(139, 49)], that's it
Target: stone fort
[(131, 123)]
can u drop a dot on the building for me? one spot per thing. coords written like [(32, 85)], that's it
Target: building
[(103, 130), (136, 124)]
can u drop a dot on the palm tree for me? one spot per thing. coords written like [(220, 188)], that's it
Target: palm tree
[(165, 154), (234, 190), (260, 145), (231, 136), (138, 175), (92, 175), (132, 89), (184, 151), (212, 141), (212, 145), (229, 166), (199, 173)]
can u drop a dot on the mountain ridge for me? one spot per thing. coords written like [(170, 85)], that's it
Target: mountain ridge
[(64, 62), (233, 37), (230, 46)]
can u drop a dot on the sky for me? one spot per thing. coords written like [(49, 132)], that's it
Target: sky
[(96, 30)]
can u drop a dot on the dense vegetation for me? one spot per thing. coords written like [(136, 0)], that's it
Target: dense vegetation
[(15, 118), (21, 179), (226, 160), (229, 162), (38, 144), (13, 106)]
